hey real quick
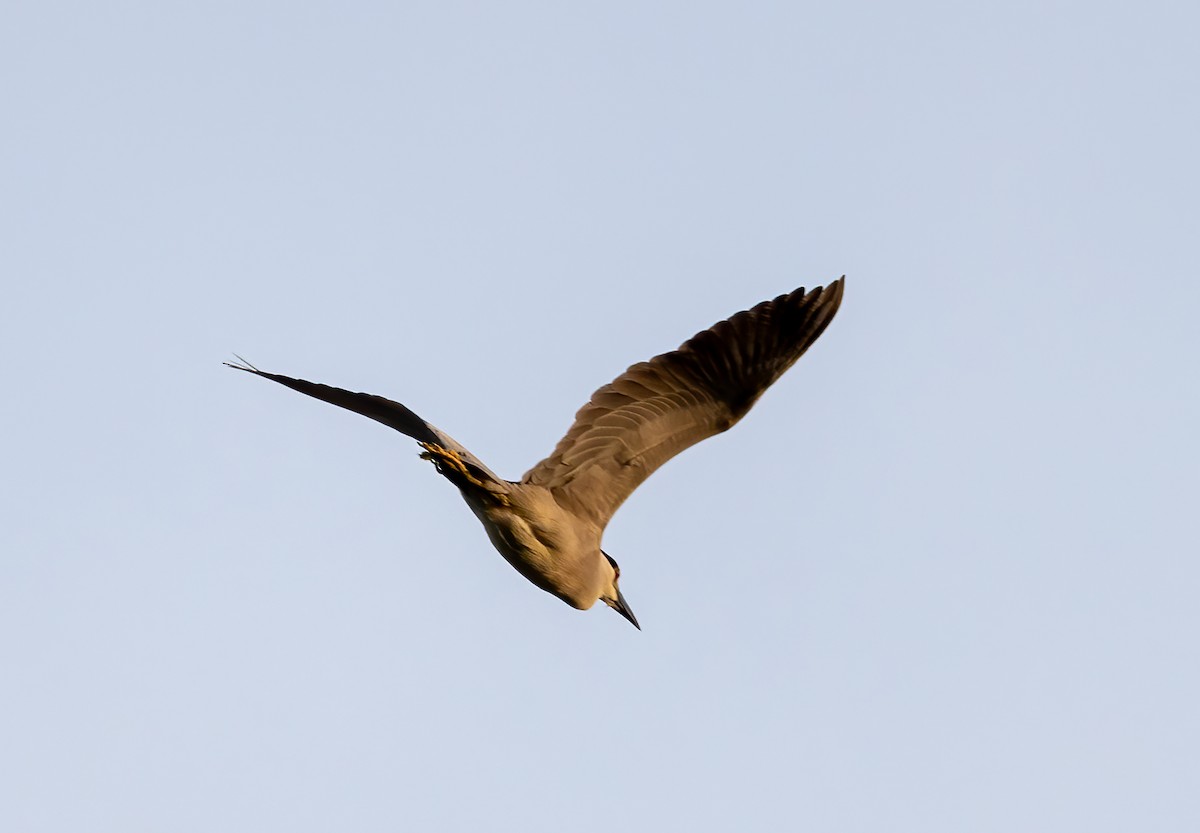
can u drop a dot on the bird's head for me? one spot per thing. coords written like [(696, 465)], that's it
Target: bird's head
[(611, 594)]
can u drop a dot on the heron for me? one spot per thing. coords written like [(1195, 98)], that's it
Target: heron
[(549, 524)]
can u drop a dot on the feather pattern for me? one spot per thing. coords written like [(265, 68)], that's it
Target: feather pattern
[(656, 409)]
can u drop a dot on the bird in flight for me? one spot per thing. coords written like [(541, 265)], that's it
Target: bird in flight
[(548, 525)]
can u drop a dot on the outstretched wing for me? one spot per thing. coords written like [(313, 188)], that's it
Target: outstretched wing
[(656, 409), (392, 414)]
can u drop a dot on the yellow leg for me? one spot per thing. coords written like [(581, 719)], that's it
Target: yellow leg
[(439, 456), (448, 459)]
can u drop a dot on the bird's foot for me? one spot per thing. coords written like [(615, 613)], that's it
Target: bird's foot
[(444, 459), (450, 465)]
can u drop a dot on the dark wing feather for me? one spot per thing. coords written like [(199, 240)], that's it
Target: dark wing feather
[(392, 414), (656, 409)]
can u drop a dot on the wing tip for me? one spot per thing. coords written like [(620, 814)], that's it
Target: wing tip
[(831, 295), (242, 364)]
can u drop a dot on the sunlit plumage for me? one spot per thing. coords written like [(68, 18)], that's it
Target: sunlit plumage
[(549, 524)]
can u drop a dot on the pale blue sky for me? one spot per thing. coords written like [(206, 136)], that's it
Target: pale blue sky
[(944, 577)]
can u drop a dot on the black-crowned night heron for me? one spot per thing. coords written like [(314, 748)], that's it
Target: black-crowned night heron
[(549, 523)]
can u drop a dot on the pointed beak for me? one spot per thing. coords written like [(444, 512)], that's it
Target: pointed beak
[(622, 607)]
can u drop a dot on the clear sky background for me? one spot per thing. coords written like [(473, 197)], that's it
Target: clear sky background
[(944, 577)]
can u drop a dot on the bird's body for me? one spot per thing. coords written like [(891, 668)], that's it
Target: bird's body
[(535, 535), (549, 524)]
